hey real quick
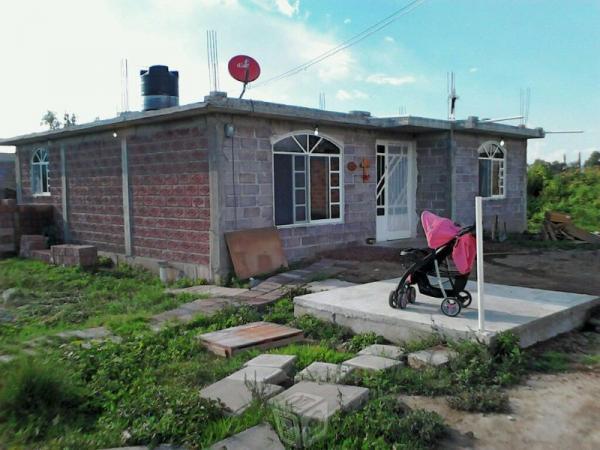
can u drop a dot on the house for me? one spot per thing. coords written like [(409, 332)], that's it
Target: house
[(167, 184)]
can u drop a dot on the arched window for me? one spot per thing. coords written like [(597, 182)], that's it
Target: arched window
[(39, 172), (307, 179), (492, 161)]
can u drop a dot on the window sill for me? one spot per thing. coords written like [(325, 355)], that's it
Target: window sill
[(42, 194), (312, 224)]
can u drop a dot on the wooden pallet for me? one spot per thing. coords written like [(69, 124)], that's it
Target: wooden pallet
[(261, 335)]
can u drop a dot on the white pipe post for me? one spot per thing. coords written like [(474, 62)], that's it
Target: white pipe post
[(479, 238)]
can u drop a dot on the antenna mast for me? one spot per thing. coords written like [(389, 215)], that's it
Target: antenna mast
[(213, 59), (322, 103), (452, 97), (124, 86)]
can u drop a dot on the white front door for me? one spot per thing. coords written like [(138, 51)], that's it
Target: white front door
[(396, 190)]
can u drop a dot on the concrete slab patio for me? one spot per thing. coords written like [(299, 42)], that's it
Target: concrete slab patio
[(534, 315)]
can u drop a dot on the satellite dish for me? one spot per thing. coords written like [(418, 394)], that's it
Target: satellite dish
[(245, 69)]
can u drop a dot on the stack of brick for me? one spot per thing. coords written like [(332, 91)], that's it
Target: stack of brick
[(7, 226), (74, 255), (30, 243)]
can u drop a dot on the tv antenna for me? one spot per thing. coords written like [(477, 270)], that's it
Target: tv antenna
[(452, 97), (525, 101), (213, 60), (124, 86), (322, 103)]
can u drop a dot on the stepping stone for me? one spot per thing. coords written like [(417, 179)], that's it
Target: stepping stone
[(310, 400), (385, 351), (283, 362), (209, 289), (328, 285), (6, 358), (260, 437), (322, 372), (431, 357), (237, 395), (370, 362), (87, 334), (261, 335), (259, 374)]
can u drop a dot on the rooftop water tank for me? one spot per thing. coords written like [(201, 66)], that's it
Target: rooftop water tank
[(160, 87)]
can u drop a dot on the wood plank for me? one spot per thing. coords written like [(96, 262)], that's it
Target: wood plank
[(253, 335), (581, 234), (557, 217)]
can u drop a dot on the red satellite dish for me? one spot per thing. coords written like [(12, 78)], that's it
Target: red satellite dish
[(244, 68)]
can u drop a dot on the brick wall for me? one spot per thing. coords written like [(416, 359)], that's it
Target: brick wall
[(513, 208), (95, 200), (168, 170), (7, 173)]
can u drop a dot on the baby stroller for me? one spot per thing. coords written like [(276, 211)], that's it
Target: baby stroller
[(433, 272)]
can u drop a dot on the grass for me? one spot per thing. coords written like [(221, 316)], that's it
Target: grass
[(49, 299), (144, 390)]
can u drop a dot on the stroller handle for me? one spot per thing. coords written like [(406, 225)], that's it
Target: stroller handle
[(465, 230)]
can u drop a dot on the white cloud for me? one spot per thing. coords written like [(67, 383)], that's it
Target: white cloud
[(354, 94), (286, 7), (473, 69), (157, 32), (389, 39), (380, 78), (347, 20)]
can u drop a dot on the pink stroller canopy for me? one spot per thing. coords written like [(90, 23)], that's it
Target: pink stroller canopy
[(439, 231)]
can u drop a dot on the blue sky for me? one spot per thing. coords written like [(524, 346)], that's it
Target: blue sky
[(65, 56)]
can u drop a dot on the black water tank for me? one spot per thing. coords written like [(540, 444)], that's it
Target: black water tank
[(160, 87)]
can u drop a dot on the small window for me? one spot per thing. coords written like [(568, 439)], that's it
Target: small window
[(39, 172), (307, 179), (492, 159)]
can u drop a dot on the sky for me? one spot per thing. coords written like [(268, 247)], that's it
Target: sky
[(66, 56)]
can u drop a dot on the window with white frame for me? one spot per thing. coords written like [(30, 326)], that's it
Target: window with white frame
[(307, 180), (492, 161), (39, 172)]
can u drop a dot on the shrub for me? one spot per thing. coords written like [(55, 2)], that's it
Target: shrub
[(281, 312), (486, 399), (362, 340), (36, 396)]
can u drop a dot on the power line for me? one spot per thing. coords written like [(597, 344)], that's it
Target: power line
[(344, 45)]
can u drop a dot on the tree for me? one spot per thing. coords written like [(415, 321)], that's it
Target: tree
[(50, 120), (593, 160)]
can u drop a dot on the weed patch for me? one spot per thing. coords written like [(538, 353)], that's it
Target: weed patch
[(487, 399)]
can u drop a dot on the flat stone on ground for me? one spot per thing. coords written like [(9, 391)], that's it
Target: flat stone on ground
[(209, 289), (370, 362), (259, 374), (86, 334), (322, 372), (237, 395), (312, 400), (6, 358), (432, 357), (283, 362), (328, 285), (385, 351), (260, 437)]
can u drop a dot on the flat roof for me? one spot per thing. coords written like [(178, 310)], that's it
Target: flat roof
[(220, 103)]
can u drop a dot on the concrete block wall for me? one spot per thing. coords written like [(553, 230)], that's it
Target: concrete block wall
[(169, 184), (245, 174), (511, 209), (433, 175)]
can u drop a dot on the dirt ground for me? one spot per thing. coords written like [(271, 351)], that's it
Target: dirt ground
[(569, 270), (548, 412)]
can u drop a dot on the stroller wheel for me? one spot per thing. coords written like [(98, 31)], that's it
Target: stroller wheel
[(451, 307), (411, 293), (393, 299), (465, 298)]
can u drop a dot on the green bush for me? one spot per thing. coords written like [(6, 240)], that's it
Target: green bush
[(36, 396), (485, 399), (384, 423), (362, 340)]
